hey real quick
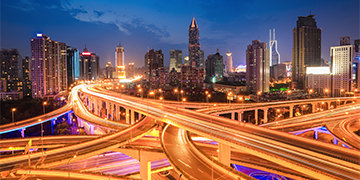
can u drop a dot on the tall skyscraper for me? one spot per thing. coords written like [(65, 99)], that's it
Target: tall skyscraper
[(45, 58), (109, 71), (26, 83), (62, 69), (89, 65), (130, 70), (119, 55), (214, 67), (341, 67), (306, 48), (229, 62), (202, 56), (153, 60), (356, 65), (274, 54), (11, 69), (73, 64), (175, 60), (257, 67), (194, 44)]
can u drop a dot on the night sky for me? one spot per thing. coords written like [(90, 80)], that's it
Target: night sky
[(163, 24)]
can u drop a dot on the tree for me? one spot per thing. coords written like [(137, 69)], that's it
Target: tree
[(63, 128)]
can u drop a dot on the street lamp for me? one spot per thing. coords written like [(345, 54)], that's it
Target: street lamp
[(182, 93), (207, 98), (69, 165), (161, 98), (152, 93), (302, 109), (141, 92), (44, 104), (310, 91), (12, 112), (341, 91), (176, 92), (326, 91), (288, 92), (228, 97), (42, 140), (242, 101), (258, 94)]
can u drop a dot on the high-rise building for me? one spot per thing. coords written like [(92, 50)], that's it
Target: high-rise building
[(174, 79), (257, 67), (120, 55), (109, 71), (11, 69), (194, 44), (202, 58), (45, 59), (214, 67), (306, 48), (130, 71), (191, 77), (341, 67), (176, 59), (274, 54), (153, 60), (186, 60), (89, 65), (62, 69), (356, 65), (318, 79), (228, 63), (26, 82), (73, 65), (278, 70)]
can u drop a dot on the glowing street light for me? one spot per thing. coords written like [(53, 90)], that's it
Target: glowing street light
[(176, 92), (258, 95), (326, 91), (310, 91), (341, 91), (44, 104), (288, 92), (141, 92), (207, 98), (161, 98), (69, 165), (12, 112)]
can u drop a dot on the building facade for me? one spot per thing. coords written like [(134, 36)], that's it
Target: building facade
[(277, 71), (306, 48), (176, 59), (191, 77), (153, 60), (73, 65), (319, 80), (11, 70), (194, 44), (214, 67), (274, 53), (228, 63), (130, 71), (89, 65), (257, 67)]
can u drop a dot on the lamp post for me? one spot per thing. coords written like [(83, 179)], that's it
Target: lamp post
[(44, 104), (310, 91), (288, 92), (326, 92), (341, 91), (258, 95), (176, 92), (69, 165), (207, 98), (242, 101), (42, 139), (206, 94), (12, 113), (141, 92), (182, 93)]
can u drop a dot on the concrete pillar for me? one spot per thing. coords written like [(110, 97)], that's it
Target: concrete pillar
[(107, 110), (91, 129), (291, 113), (132, 117), (117, 112), (53, 122), (313, 107), (224, 154), (22, 131), (139, 116), (96, 108), (335, 141), (328, 104), (240, 116), (316, 135), (69, 118), (256, 116), (266, 115), (233, 115), (127, 114), (145, 168), (112, 111)]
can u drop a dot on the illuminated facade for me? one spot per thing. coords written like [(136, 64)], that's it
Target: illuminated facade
[(318, 79), (176, 60), (341, 68), (191, 77), (89, 66), (306, 48), (228, 63), (274, 54), (120, 59), (194, 44), (153, 60), (214, 67), (130, 71), (186, 60), (11, 71), (356, 65), (257, 67), (73, 66)]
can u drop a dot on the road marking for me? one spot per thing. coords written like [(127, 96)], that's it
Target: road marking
[(185, 163), (201, 171)]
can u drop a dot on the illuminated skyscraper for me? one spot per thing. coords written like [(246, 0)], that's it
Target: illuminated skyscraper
[(229, 62), (274, 54), (175, 60), (306, 48), (153, 60), (194, 44), (73, 66), (119, 55), (214, 67), (89, 65)]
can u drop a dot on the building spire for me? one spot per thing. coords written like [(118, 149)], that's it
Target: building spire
[(193, 23)]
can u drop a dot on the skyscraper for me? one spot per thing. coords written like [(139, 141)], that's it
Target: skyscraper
[(62, 69), (356, 65), (73, 66), (119, 55), (175, 60), (26, 83), (89, 65), (341, 67), (194, 44), (202, 56), (45, 58), (130, 70), (229, 62), (306, 48), (257, 67), (11, 69), (274, 54), (214, 67), (153, 60)]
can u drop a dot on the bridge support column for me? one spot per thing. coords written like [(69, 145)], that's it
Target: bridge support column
[(22, 131), (335, 141), (132, 117), (117, 112), (240, 116), (91, 129), (69, 118), (53, 122), (328, 104), (291, 112), (266, 115), (96, 109), (127, 114), (107, 110), (139, 115), (232, 115), (145, 168), (112, 111), (316, 135), (256, 116), (313, 107), (224, 154)]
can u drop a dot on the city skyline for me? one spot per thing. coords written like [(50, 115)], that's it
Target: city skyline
[(101, 28)]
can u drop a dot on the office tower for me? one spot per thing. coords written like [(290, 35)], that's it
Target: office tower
[(109, 71), (62, 69), (341, 67), (214, 67), (73, 65), (278, 70), (11, 69), (202, 56), (153, 60), (257, 67), (356, 65), (319, 80), (191, 77), (274, 54), (306, 48), (119, 55), (175, 59), (228, 63), (89, 65), (186, 60), (26, 82), (130, 71), (194, 44), (174, 79), (159, 78), (45, 58)]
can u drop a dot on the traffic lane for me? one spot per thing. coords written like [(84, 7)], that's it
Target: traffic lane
[(46, 140)]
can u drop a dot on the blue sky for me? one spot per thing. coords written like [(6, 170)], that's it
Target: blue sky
[(163, 24)]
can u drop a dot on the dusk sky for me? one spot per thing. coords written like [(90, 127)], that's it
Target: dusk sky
[(162, 24)]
